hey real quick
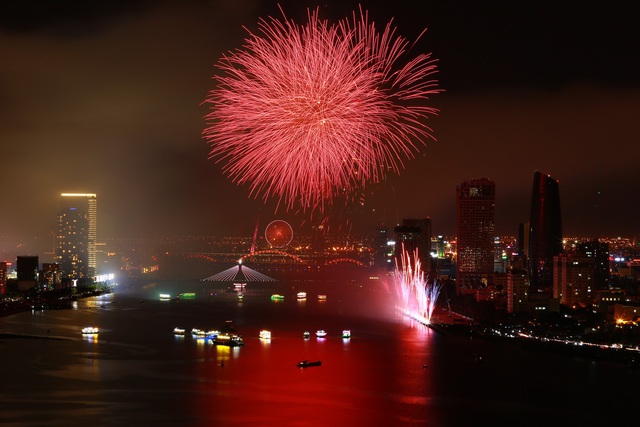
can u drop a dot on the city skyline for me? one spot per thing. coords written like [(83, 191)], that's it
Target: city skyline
[(108, 99)]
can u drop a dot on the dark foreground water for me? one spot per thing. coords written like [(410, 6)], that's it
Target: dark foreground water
[(392, 372)]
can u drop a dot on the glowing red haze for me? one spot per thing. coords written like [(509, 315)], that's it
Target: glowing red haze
[(307, 113)]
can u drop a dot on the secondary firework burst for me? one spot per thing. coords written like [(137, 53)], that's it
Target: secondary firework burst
[(417, 296), (306, 114)]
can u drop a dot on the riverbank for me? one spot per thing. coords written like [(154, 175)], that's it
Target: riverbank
[(52, 300)]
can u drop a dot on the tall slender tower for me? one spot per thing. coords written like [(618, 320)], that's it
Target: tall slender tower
[(76, 237), (545, 233), (476, 232)]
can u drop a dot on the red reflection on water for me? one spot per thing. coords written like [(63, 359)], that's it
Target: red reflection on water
[(378, 377)]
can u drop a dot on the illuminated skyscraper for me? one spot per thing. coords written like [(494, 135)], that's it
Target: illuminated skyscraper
[(476, 232), (545, 233), (76, 237)]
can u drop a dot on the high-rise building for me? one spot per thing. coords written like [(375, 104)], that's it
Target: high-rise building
[(76, 237), (412, 235), (476, 232), (545, 232), (517, 290), (574, 279), (599, 252), (384, 256), (579, 276)]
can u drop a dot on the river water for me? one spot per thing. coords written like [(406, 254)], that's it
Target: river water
[(392, 372)]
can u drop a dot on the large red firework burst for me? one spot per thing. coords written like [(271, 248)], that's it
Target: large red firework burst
[(307, 113)]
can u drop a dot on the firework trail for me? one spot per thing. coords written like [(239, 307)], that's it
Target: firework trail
[(417, 297), (307, 113)]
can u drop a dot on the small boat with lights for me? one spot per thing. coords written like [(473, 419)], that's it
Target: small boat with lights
[(277, 297), (230, 340), (265, 334), (346, 333), (90, 330), (322, 297), (179, 331), (321, 333), (308, 363), (306, 334), (198, 332), (302, 295)]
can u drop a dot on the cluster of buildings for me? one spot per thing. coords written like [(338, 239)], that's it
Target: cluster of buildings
[(74, 252), (538, 270)]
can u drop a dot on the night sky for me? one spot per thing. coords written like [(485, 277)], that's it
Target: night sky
[(106, 97)]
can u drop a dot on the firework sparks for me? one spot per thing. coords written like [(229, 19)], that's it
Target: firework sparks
[(303, 114), (417, 297)]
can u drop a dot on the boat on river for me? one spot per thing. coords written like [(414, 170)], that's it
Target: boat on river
[(228, 339), (308, 363), (265, 334), (90, 330), (321, 333)]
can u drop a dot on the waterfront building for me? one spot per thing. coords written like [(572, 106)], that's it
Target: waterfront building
[(475, 234), (599, 252), (76, 236), (27, 269), (579, 275), (573, 279), (545, 232), (517, 291)]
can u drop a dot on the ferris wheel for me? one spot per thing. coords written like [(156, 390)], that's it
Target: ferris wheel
[(278, 233)]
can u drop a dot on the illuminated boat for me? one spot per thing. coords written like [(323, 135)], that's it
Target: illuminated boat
[(302, 295), (90, 330), (321, 333), (198, 332), (322, 297), (306, 334), (187, 295), (277, 297), (265, 335), (225, 338), (178, 331), (240, 297), (307, 363), (165, 297), (346, 333)]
